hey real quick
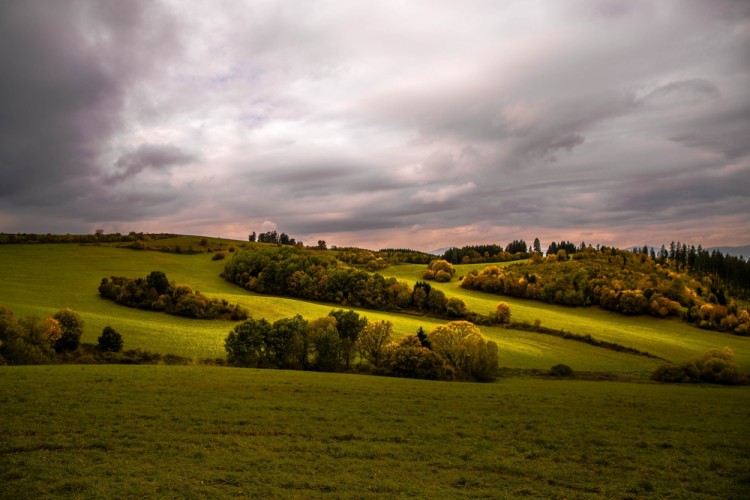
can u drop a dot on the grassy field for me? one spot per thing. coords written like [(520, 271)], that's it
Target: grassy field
[(188, 432), (41, 279)]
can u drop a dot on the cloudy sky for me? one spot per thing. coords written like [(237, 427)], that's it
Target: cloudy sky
[(418, 124)]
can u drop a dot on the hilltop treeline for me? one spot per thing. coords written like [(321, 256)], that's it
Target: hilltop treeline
[(725, 271), (398, 255), (473, 254), (98, 237), (616, 280), (296, 272), (273, 237), (344, 341), (375, 260), (157, 293)]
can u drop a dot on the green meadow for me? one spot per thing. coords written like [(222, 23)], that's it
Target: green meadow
[(209, 432), (41, 279), (117, 431)]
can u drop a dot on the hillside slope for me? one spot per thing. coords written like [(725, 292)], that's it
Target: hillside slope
[(41, 279)]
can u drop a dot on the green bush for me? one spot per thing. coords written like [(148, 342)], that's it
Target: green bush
[(456, 308), (72, 329), (407, 358), (561, 370), (462, 347), (716, 367), (110, 340), (501, 314)]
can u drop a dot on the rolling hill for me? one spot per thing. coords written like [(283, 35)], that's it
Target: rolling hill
[(41, 279)]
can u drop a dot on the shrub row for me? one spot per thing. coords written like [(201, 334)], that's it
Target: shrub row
[(586, 339), (716, 367), (157, 293), (342, 341)]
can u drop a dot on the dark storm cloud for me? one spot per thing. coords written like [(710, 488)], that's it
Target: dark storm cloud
[(66, 70), (58, 102)]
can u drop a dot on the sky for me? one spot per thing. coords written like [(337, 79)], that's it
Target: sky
[(419, 124)]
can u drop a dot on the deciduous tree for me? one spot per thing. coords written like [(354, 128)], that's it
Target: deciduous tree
[(372, 341), (72, 329)]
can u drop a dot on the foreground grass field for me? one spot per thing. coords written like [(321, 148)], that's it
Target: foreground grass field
[(185, 432), (41, 279)]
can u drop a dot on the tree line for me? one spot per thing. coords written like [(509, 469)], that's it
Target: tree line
[(472, 254), (31, 340), (57, 339), (344, 341), (725, 271), (616, 280), (376, 260), (98, 237), (273, 237), (157, 293), (296, 272)]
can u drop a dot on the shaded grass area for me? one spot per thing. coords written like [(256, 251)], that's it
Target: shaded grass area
[(123, 431)]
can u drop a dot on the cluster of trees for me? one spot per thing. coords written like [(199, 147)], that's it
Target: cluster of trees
[(157, 293), (725, 271), (568, 247), (729, 318), (98, 237), (716, 367), (404, 255), (57, 339), (343, 339), (359, 257), (296, 272), (32, 340), (472, 254), (439, 270), (274, 237), (617, 280), (381, 259)]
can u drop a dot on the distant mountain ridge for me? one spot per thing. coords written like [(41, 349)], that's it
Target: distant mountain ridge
[(742, 251), (439, 251)]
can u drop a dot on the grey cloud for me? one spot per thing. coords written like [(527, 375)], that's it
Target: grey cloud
[(723, 130), (679, 92), (157, 157), (713, 192), (356, 222), (612, 8), (306, 179)]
